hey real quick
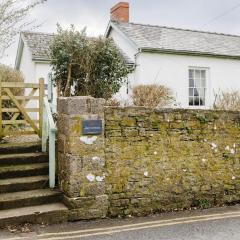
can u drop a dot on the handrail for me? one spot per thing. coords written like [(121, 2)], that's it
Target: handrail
[(49, 133)]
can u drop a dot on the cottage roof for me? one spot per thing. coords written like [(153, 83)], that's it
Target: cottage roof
[(39, 45), (167, 39)]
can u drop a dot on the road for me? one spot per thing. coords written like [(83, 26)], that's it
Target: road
[(214, 224)]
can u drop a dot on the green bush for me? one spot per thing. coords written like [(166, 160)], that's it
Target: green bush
[(86, 66)]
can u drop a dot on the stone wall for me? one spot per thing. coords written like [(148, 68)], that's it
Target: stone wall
[(170, 159), (81, 159), (146, 160)]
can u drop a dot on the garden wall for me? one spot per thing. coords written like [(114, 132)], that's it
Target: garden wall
[(147, 160)]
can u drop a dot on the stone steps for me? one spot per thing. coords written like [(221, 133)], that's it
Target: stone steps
[(41, 214), (6, 148), (24, 193), (24, 170), (23, 184), (29, 198), (23, 158)]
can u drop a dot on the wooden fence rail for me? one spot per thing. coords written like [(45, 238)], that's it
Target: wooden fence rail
[(18, 111)]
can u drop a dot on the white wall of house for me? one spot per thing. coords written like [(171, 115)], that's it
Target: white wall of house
[(172, 71), (42, 70), (32, 72), (27, 66), (123, 43), (130, 49)]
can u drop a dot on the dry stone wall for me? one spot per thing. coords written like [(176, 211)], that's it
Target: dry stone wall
[(170, 159), (145, 160)]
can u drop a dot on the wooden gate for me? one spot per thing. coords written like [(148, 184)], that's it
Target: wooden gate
[(17, 114)]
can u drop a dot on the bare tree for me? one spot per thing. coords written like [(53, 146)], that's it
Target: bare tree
[(13, 15)]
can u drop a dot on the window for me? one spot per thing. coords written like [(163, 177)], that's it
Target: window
[(197, 86)]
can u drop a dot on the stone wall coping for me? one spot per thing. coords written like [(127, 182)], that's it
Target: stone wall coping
[(169, 110)]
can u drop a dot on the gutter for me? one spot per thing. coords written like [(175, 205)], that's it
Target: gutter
[(40, 59), (187, 53)]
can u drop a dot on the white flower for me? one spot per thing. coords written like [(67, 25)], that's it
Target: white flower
[(146, 174), (204, 160), (227, 148), (233, 177), (155, 153)]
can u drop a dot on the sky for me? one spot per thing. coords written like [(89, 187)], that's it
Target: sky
[(207, 15)]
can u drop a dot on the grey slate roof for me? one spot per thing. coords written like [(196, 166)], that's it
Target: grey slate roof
[(180, 40), (39, 44)]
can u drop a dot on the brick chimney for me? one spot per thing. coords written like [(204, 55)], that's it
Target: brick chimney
[(120, 12)]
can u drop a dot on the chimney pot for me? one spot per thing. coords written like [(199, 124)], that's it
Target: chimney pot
[(120, 12)]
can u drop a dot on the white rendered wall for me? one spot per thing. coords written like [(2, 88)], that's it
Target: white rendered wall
[(42, 71), (27, 66), (130, 50), (32, 72), (172, 71), (124, 44)]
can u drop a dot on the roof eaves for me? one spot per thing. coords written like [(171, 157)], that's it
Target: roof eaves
[(188, 53), (19, 53), (114, 26), (108, 30)]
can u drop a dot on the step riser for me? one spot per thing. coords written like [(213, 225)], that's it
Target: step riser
[(43, 218), (16, 149), (30, 202), (23, 186), (23, 160), (27, 173)]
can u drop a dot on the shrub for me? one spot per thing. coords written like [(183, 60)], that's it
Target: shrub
[(152, 96), (8, 74), (227, 101), (112, 102), (86, 66)]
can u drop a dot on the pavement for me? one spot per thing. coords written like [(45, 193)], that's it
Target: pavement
[(213, 224)]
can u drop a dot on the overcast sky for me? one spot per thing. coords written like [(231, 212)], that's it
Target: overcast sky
[(94, 14)]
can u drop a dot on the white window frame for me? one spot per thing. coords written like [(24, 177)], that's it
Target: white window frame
[(200, 88)]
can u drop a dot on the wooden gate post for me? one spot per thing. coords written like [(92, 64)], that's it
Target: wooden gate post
[(41, 96)]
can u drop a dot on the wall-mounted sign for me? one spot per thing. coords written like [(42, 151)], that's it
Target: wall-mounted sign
[(92, 127)]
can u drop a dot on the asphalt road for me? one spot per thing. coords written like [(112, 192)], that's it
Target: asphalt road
[(215, 224)]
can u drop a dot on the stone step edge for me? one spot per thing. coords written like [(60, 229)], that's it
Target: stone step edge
[(20, 147), (39, 214)]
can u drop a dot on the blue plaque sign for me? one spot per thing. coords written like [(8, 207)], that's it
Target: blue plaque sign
[(92, 127)]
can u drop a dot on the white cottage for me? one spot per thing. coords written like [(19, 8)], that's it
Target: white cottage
[(33, 56), (196, 65)]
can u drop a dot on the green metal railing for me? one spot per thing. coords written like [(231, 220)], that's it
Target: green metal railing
[(49, 133), (49, 136)]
